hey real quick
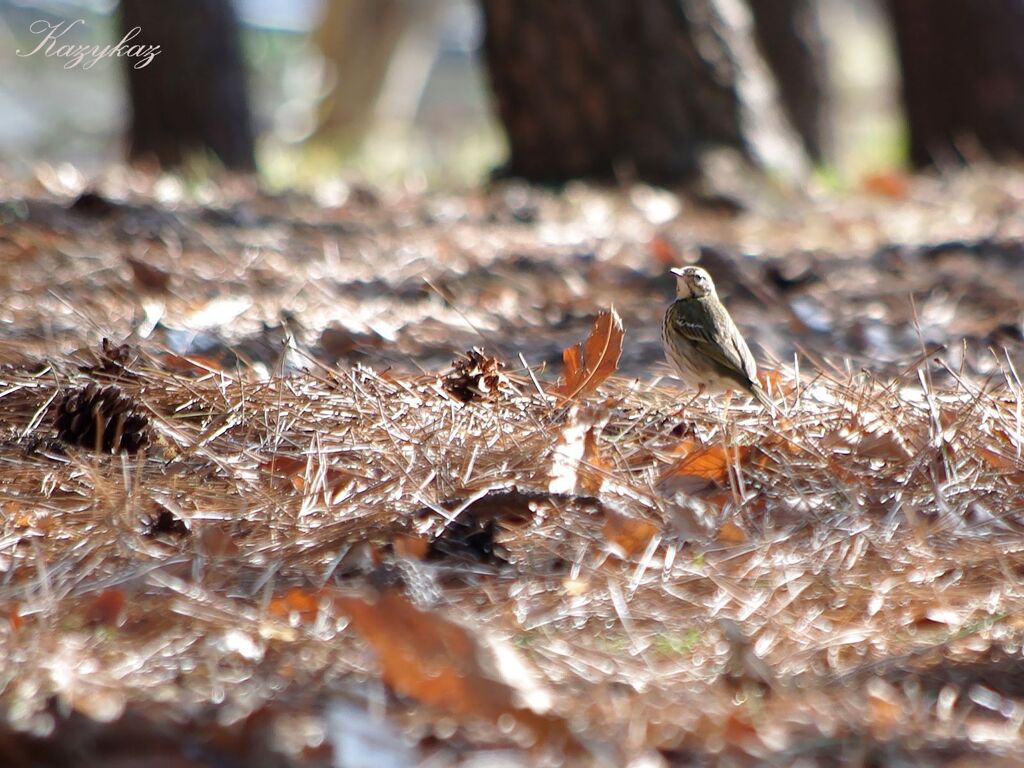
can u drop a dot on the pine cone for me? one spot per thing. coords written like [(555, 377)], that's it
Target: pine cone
[(475, 376), (110, 360), (106, 419)]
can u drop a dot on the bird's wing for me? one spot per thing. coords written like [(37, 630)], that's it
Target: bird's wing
[(717, 339)]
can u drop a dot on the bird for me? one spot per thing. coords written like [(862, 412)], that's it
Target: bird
[(702, 341)]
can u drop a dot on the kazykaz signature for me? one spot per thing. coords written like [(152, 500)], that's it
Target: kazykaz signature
[(51, 45)]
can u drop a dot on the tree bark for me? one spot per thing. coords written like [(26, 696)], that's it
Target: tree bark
[(192, 98), (790, 39), (962, 64), (590, 88)]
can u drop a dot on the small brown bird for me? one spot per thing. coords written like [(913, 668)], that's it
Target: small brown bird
[(702, 341)]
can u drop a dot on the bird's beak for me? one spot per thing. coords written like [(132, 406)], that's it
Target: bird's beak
[(677, 271)]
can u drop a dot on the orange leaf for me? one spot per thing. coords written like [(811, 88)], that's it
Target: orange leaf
[(194, 364), (630, 535), (286, 471), (298, 602), (710, 463), (217, 542), (106, 607), (411, 546), (996, 460), (587, 365), (730, 533), (290, 471), (886, 184), (663, 251), (424, 656)]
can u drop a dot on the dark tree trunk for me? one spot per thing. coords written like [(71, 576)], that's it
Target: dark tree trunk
[(192, 98), (962, 65), (790, 38), (592, 89)]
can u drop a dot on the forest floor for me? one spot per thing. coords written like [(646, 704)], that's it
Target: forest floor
[(334, 547)]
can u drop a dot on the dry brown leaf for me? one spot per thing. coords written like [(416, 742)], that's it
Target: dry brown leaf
[(409, 545), (664, 251), (291, 472), (709, 463), (595, 467), (587, 365), (883, 444), (577, 466), (773, 381), (217, 542), (424, 656), (630, 536), (107, 608), (883, 705), (148, 279), (891, 184), (301, 603), (193, 364), (996, 460), (730, 533)]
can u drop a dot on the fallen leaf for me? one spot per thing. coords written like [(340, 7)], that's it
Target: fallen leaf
[(996, 460), (430, 659), (577, 466), (664, 251), (883, 444), (709, 463), (193, 364), (410, 545), (291, 472), (884, 708), (587, 365), (567, 455), (891, 184), (730, 533), (629, 536), (595, 467), (106, 608), (148, 279), (337, 341), (296, 602), (217, 542)]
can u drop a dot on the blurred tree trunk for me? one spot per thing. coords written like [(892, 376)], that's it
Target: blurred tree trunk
[(962, 64), (790, 38), (357, 38), (592, 89), (192, 98), (368, 45)]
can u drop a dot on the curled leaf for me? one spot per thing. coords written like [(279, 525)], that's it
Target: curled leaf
[(589, 364)]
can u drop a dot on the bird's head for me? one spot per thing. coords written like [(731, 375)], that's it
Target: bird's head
[(692, 283)]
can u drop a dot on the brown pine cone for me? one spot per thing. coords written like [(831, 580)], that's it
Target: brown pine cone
[(104, 419)]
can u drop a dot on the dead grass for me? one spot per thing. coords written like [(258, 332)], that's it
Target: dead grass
[(838, 585)]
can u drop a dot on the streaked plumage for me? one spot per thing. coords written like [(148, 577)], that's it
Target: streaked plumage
[(702, 341)]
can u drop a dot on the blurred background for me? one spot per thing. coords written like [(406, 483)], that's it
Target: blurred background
[(389, 90)]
